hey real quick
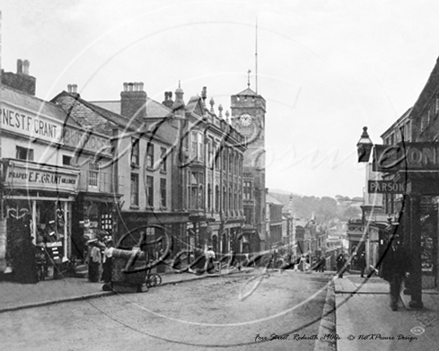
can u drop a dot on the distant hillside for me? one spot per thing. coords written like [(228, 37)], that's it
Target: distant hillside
[(323, 208)]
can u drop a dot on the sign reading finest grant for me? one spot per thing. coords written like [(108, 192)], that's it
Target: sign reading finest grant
[(32, 176), (408, 156), (385, 187), (32, 125)]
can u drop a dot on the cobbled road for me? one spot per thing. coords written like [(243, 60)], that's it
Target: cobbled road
[(247, 311)]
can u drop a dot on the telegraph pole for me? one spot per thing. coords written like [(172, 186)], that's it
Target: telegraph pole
[(2, 219)]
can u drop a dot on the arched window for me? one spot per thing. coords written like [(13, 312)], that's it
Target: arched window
[(209, 197), (217, 199), (224, 198), (200, 203)]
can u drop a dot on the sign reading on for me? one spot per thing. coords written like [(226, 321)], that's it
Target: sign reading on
[(385, 187), (29, 176), (408, 156)]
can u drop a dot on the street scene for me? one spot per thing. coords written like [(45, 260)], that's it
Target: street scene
[(228, 176)]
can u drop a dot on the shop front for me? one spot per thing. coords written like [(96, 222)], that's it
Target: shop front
[(38, 209)]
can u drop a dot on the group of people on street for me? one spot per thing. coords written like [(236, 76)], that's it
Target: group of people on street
[(99, 259)]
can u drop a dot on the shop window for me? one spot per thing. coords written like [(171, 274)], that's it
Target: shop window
[(150, 191), (134, 190), (150, 155), (93, 175), (23, 153), (135, 152), (163, 192), (163, 165), (67, 160)]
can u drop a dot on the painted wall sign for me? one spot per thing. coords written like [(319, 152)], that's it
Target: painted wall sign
[(408, 156), (385, 187), (30, 125), (32, 176), (73, 137)]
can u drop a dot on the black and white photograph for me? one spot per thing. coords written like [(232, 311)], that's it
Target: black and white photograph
[(219, 175)]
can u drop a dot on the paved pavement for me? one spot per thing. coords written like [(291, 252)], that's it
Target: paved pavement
[(364, 320)]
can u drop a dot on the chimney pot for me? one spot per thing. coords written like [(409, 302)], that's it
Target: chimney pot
[(135, 86), (130, 86), (19, 66), (141, 86), (69, 88), (26, 67), (125, 86)]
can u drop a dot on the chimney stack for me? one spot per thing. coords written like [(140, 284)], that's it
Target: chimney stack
[(134, 100), (168, 102), (72, 89), (21, 80)]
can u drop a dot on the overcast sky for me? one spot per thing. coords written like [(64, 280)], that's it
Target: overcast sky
[(325, 68)]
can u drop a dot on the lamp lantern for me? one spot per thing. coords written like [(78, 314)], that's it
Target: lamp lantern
[(364, 147)]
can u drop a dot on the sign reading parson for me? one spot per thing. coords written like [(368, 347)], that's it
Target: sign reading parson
[(385, 187)]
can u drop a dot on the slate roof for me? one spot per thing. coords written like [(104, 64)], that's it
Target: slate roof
[(271, 200), (119, 120), (35, 104), (248, 92), (154, 109)]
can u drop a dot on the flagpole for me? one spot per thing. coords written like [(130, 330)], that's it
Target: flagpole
[(256, 55)]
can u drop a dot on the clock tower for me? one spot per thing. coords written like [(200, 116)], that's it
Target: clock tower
[(248, 111)]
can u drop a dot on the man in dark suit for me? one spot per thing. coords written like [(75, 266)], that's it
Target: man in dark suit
[(395, 264)]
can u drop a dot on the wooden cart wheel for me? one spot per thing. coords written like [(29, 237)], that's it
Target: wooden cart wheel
[(151, 280), (158, 279)]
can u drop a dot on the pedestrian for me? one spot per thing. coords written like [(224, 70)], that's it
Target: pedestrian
[(340, 263), (93, 261), (322, 264), (362, 264), (395, 265), (107, 263), (210, 257)]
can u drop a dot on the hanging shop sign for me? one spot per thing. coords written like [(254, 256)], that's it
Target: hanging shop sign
[(29, 124), (406, 157), (385, 187), (34, 176)]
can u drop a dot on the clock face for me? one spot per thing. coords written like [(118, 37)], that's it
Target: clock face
[(245, 120)]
